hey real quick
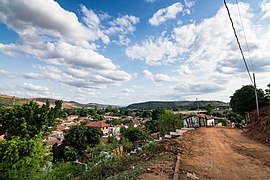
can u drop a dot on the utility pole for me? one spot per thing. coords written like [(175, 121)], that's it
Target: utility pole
[(253, 81), (256, 97)]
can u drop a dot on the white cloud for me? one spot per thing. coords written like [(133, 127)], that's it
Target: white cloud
[(189, 3), (207, 55), (165, 14), (31, 87), (93, 22), (28, 17), (80, 77), (4, 72), (154, 52), (58, 38), (122, 27), (184, 69), (265, 7), (200, 88), (150, 1), (127, 92), (208, 44), (157, 77)]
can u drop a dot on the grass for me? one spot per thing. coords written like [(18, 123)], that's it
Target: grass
[(137, 170)]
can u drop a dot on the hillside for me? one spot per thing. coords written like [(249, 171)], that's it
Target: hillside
[(259, 129), (177, 104), (6, 100)]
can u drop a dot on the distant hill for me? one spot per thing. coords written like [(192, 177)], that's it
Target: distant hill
[(6, 100), (177, 104)]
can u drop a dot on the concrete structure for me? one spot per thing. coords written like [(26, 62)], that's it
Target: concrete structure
[(199, 120)]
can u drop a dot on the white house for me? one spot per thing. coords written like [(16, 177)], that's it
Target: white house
[(199, 120)]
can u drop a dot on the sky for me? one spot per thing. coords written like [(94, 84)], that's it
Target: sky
[(120, 52)]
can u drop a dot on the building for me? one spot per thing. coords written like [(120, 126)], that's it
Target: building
[(199, 120), (104, 127), (111, 117)]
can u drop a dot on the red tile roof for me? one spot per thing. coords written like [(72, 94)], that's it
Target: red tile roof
[(2, 137), (135, 121), (99, 124)]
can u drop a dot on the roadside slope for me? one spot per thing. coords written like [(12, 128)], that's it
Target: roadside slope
[(224, 153)]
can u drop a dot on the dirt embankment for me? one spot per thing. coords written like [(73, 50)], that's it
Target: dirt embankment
[(212, 153), (224, 153), (259, 128)]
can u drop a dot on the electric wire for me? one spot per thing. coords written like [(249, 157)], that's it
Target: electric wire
[(250, 60), (239, 45), (235, 34)]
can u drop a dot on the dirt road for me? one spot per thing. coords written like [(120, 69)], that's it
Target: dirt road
[(225, 153)]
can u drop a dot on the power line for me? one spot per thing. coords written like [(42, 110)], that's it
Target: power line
[(244, 35), (239, 45), (252, 81)]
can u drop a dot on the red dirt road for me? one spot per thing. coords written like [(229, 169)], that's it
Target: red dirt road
[(225, 153)]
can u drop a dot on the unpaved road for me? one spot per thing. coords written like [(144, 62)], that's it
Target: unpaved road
[(225, 153)]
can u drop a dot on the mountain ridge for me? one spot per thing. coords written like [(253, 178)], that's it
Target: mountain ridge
[(177, 104), (7, 100)]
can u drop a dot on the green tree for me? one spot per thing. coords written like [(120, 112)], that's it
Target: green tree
[(79, 137), (26, 121), (70, 153), (127, 144), (232, 116), (21, 153), (169, 122), (209, 108), (157, 112), (152, 126), (267, 92), (146, 114), (243, 99), (133, 134)]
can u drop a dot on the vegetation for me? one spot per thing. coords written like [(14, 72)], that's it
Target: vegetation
[(267, 92), (233, 116), (76, 140), (134, 134), (210, 109), (24, 127), (177, 104), (169, 122), (12, 100), (23, 152), (243, 100)]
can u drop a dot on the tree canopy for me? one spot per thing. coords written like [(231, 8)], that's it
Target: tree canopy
[(243, 100), (24, 127), (79, 137), (28, 120), (169, 122), (133, 134)]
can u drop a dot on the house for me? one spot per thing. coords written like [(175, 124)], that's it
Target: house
[(210, 120), (115, 130), (104, 127), (191, 121), (136, 122), (111, 117), (199, 120), (71, 118), (2, 137)]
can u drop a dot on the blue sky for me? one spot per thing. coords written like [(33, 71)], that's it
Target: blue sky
[(120, 52)]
